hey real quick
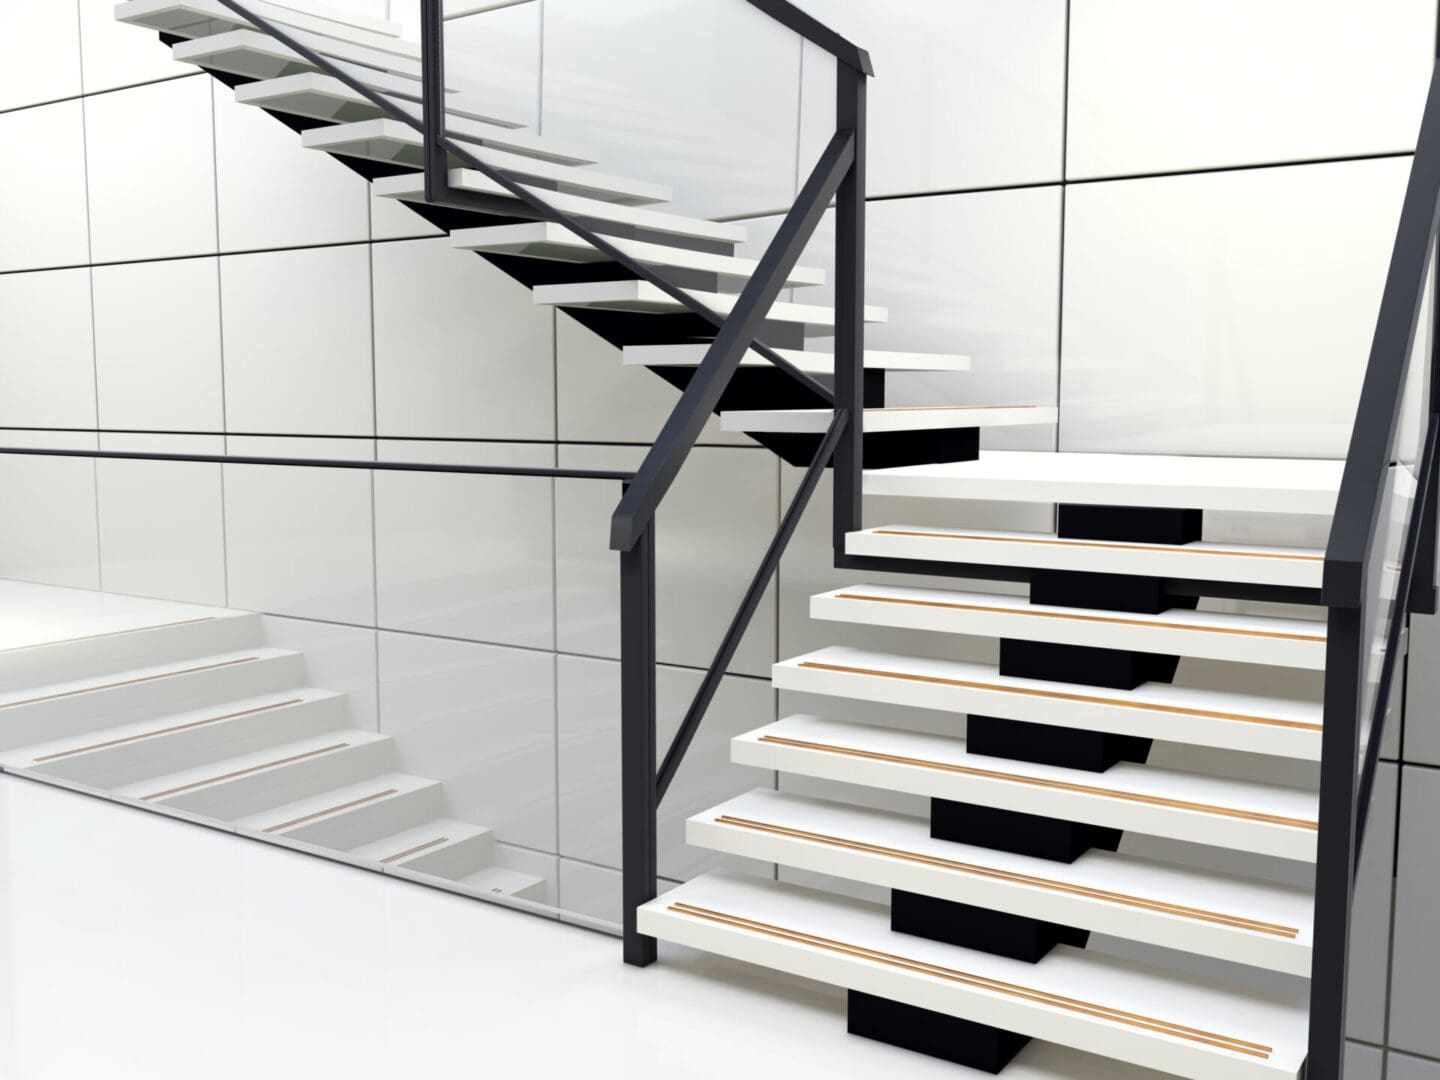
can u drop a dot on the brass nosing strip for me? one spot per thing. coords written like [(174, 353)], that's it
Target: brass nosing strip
[(332, 810), (245, 772), (1013, 877), (417, 849), (1180, 549), (1056, 785), (107, 633), (1064, 695), (128, 682), (166, 731), (1020, 612), (980, 982)]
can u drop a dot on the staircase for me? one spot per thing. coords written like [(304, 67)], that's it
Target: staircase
[(1102, 841)]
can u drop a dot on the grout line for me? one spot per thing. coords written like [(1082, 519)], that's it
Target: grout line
[(1064, 189), (97, 93)]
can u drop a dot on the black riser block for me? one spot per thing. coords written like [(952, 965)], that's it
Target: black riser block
[(995, 932), (1023, 834), (770, 388), (1045, 744), (621, 328), (1105, 592), (1118, 669), (886, 450), (1138, 524), (963, 1042)]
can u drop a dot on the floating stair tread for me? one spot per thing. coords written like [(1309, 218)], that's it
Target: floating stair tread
[(880, 420), (1132, 1012), (204, 18), (252, 53), (1240, 814), (552, 241), (1249, 922), (1265, 485), (411, 187), (1205, 561), (428, 839), (331, 804), (137, 676), (1211, 635), (643, 297), (815, 363), (157, 728), (388, 139), (156, 789), (1223, 718)]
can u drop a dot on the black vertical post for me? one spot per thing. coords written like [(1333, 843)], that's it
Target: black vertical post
[(1423, 598), (1335, 859), (432, 98), (637, 740), (850, 87)]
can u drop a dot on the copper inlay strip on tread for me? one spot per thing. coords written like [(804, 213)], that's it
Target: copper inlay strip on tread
[(108, 633), (1086, 891), (128, 682), (417, 849), (1057, 785), (166, 731), (244, 772), (980, 982), (332, 810), (1112, 619), (1062, 695), (1178, 548)]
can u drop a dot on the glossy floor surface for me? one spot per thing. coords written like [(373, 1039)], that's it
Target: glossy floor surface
[(134, 946), (44, 614)]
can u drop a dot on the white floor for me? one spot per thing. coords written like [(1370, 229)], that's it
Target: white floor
[(136, 946), (43, 614)]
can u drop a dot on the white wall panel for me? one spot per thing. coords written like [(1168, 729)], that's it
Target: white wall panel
[(1228, 313), (47, 353), (39, 52), (42, 201), (50, 533), (1415, 972), (116, 54), (495, 56), (967, 93), (1185, 85), (341, 658)]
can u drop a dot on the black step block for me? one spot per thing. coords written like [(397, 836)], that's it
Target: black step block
[(1105, 592), (1139, 524), (1023, 834), (1117, 669), (1045, 744), (995, 932), (883, 450), (963, 1042), (755, 387)]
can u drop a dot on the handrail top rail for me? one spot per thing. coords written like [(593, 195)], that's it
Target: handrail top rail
[(817, 33)]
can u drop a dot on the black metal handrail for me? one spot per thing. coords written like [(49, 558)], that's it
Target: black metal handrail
[(816, 32)]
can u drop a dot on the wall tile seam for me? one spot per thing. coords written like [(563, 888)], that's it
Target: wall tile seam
[(10, 110)]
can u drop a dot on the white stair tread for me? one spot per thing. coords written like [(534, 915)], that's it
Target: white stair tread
[(1264, 485), (1267, 819), (553, 241), (1178, 632), (506, 882), (1249, 922), (250, 52), (816, 363), (428, 839), (879, 420), (641, 296), (1204, 561), (330, 804), (204, 18), (1125, 1010), (411, 187), (137, 676), (77, 745), (387, 139), (45, 616), (1222, 718), (156, 789)]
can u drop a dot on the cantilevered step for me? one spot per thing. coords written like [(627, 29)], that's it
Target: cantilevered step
[(411, 187), (1250, 639), (391, 140), (204, 18), (878, 420), (642, 297), (1125, 1010), (1206, 561), (1263, 485), (551, 241), (1248, 922), (259, 56), (1265, 819), (1228, 719), (815, 363)]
